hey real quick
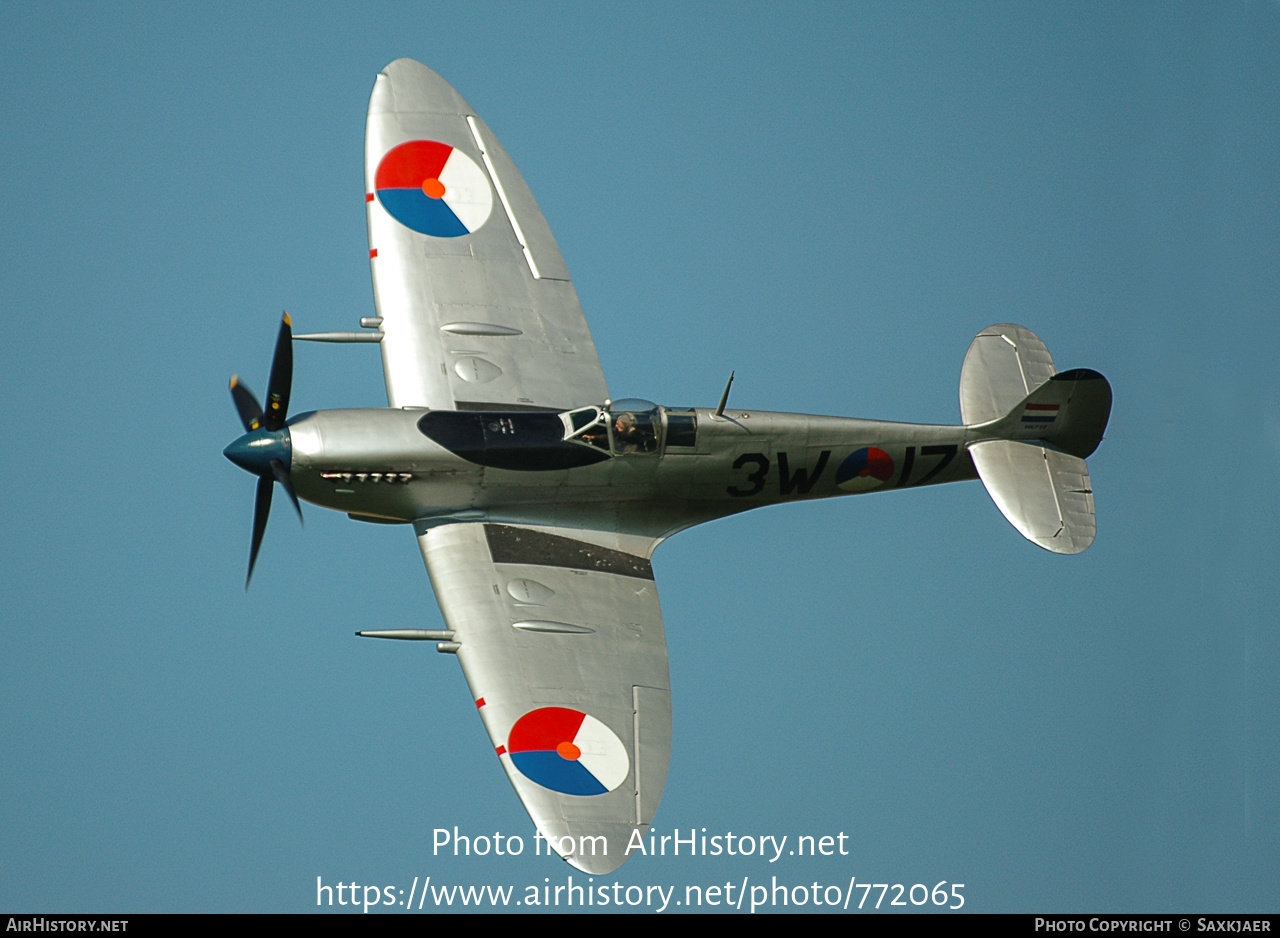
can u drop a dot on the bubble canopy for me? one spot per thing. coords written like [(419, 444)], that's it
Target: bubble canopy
[(633, 404), (628, 426)]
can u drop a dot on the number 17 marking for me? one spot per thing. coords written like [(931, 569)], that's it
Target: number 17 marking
[(946, 450)]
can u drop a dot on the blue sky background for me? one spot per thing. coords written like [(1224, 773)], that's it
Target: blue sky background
[(830, 199)]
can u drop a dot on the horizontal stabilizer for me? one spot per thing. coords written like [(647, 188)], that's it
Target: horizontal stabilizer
[(1044, 493), (1004, 364)]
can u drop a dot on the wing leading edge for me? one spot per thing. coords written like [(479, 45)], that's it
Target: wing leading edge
[(562, 644), (477, 308)]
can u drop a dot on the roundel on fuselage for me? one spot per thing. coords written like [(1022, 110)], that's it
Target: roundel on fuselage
[(865, 469)]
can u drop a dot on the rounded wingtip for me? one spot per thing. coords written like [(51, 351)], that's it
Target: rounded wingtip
[(417, 88)]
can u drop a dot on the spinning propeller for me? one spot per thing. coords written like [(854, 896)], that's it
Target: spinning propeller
[(266, 449)]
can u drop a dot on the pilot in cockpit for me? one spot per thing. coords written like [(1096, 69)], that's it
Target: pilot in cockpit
[(626, 435)]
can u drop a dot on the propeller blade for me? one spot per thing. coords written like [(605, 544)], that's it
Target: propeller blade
[(282, 476), (247, 405), (249, 455), (261, 509), (281, 378)]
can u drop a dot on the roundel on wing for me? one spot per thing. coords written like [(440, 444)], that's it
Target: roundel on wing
[(864, 470), (568, 751), (433, 188)]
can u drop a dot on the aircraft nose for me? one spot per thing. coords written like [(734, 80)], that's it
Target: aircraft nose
[(254, 451)]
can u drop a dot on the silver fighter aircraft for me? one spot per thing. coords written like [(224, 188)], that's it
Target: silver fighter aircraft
[(538, 501)]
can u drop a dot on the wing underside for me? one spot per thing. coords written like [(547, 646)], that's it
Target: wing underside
[(558, 632), (562, 644), (478, 311)]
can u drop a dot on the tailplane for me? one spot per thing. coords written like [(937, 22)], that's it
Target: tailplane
[(1031, 429)]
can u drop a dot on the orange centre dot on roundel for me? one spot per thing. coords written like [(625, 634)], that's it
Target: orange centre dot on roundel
[(434, 188), (568, 751)]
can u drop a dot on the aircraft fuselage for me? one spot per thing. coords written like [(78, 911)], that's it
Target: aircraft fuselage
[(381, 465)]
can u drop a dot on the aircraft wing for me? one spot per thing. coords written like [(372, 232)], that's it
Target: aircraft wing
[(559, 633), (478, 312), (562, 645)]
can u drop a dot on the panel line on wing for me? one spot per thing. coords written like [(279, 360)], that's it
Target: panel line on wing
[(502, 197), (1057, 502), (635, 736)]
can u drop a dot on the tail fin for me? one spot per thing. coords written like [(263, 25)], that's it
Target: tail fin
[(1070, 410), (1032, 429)]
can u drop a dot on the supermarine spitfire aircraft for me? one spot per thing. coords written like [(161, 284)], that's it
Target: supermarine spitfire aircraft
[(537, 501)]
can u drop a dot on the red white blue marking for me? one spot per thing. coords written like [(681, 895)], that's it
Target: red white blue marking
[(434, 189), (1039, 414), (864, 470), (568, 751)]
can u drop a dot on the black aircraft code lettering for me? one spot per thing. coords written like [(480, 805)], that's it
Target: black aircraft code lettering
[(801, 481), (947, 451), (907, 462), (757, 477)]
